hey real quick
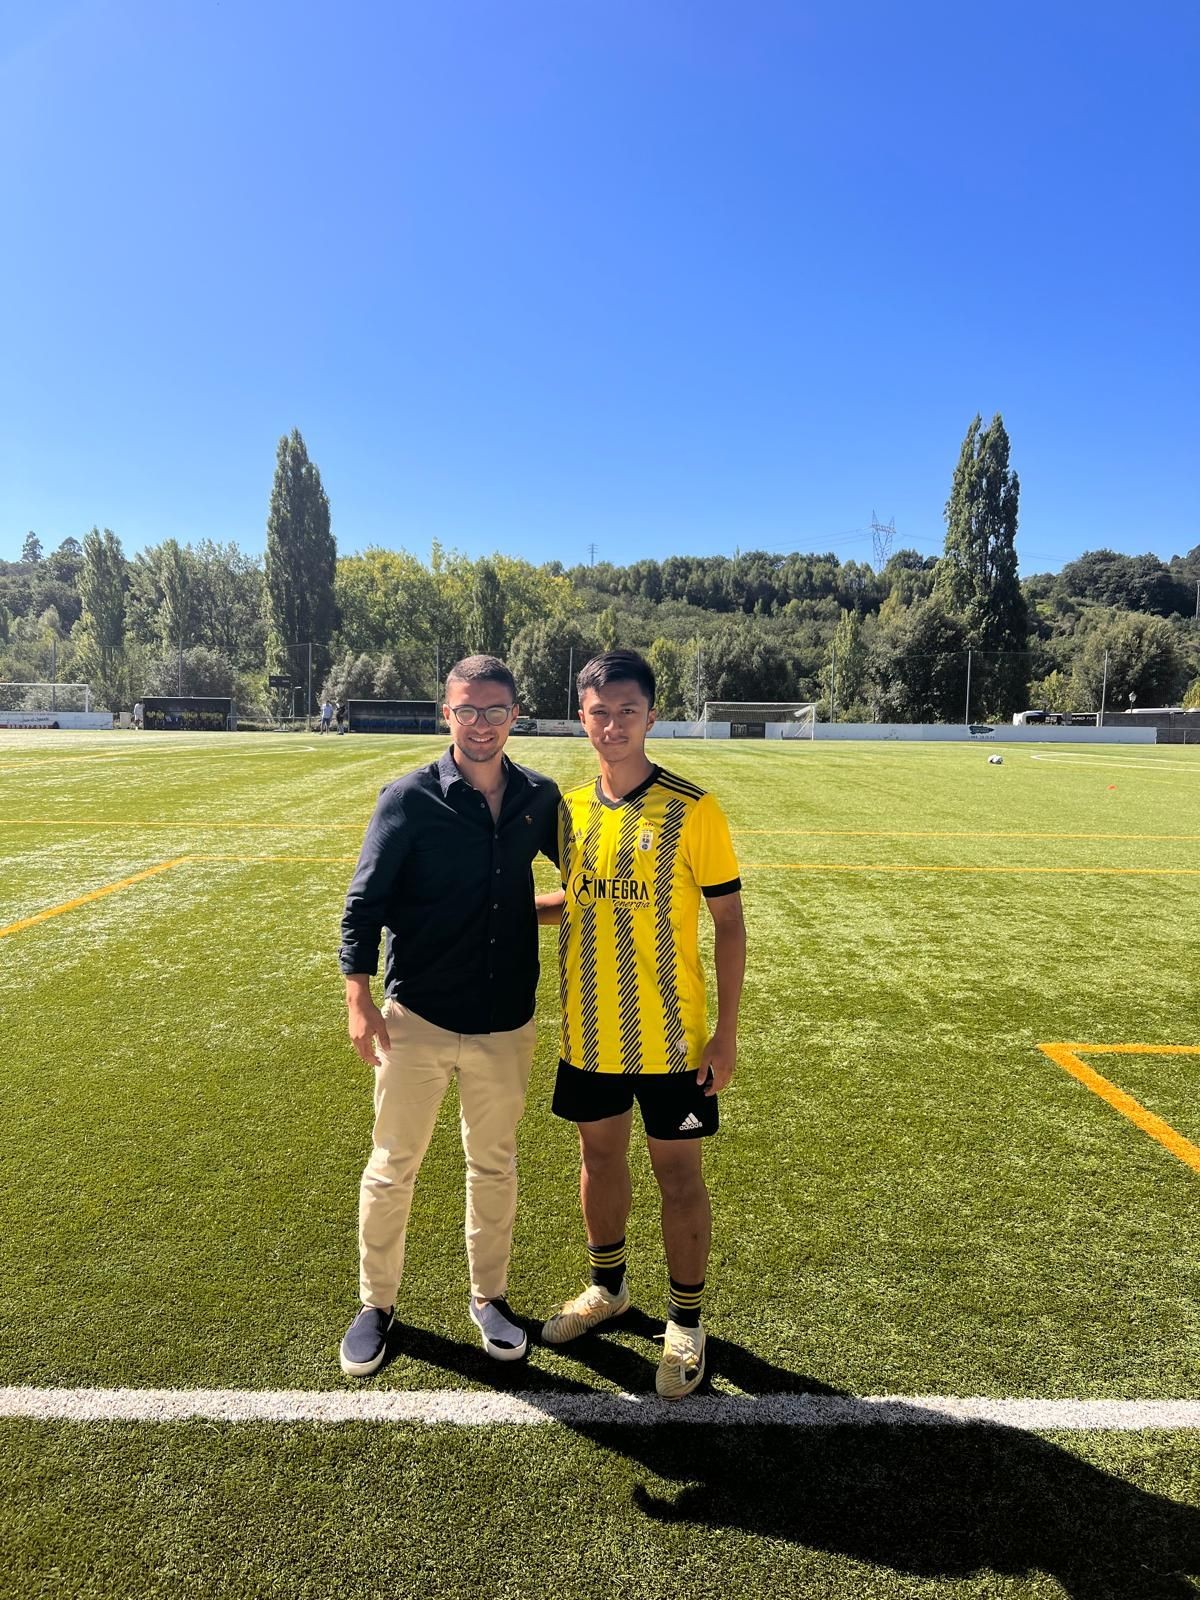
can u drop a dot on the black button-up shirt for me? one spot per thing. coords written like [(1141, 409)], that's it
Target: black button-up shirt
[(454, 890)]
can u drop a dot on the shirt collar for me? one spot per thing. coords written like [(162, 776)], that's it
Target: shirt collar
[(449, 775)]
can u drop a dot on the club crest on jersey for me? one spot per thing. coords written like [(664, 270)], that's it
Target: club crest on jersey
[(646, 839), (589, 889)]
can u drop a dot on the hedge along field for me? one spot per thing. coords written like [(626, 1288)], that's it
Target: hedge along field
[(911, 1197)]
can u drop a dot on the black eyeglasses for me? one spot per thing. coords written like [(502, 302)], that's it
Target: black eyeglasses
[(495, 715)]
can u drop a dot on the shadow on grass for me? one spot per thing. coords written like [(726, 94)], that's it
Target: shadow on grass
[(939, 1502)]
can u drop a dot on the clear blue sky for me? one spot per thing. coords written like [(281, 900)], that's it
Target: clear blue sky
[(666, 276)]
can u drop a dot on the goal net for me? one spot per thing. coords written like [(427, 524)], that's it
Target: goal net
[(45, 696), (760, 719)]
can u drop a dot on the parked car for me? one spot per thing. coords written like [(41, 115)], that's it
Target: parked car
[(524, 725)]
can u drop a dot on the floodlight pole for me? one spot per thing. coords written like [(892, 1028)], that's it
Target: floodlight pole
[(967, 711), (308, 693), (570, 676), (1103, 693), (833, 686)]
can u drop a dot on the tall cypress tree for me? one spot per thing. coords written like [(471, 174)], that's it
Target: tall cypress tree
[(977, 575), (486, 621), (301, 559), (101, 628)]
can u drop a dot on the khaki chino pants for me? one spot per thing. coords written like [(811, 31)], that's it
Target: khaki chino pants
[(411, 1080)]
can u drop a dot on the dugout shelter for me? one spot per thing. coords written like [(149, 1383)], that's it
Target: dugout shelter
[(392, 716), (188, 713)]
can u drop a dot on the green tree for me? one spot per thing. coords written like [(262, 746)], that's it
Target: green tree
[(198, 671), (1054, 692), (674, 666), (1144, 660), (100, 632), (542, 657), (977, 575), (486, 623), (608, 628), (918, 665), (388, 600), (351, 678), (227, 601), (1191, 700), (175, 583), (741, 661), (848, 660), (301, 560), (31, 550)]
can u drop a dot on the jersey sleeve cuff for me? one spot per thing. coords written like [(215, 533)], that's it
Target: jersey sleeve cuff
[(715, 890)]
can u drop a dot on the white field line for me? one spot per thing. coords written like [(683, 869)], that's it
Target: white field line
[(472, 1409), (1120, 761)]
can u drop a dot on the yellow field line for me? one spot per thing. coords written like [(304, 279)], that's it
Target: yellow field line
[(267, 858), (179, 822), (1066, 1056), (893, 866), (896, 833), (807, 833), (1132, 1049), (85, 899)]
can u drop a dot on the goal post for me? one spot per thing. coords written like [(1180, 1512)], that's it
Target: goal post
[(23, 696), (762, 719)]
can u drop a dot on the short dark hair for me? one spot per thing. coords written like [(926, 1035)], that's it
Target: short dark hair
[(482, 669), (617, 666)]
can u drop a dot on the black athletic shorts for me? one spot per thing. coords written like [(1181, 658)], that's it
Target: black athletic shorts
[(673, 1105)]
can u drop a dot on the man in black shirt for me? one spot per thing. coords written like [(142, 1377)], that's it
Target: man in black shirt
[(447, 869)]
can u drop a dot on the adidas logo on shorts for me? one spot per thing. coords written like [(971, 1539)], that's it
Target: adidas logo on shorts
[(690, 1123)]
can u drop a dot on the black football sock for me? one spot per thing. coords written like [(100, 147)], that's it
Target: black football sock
[(683, 1303), (607, 1264)]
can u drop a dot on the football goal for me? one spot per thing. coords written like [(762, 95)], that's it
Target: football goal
[(752, 719), (45, 696)]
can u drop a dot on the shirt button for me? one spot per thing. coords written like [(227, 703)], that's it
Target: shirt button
[(495, 905), (497, 871), (491, 941)]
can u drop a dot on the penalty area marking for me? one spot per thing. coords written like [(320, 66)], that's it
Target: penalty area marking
[(473, 1409), (1067, 1056), (1120, 761)]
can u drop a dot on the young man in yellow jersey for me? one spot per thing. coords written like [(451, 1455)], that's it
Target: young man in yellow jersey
[(639, 849)]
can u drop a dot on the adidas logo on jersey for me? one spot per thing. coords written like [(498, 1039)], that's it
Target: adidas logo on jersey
[(690, 1123)]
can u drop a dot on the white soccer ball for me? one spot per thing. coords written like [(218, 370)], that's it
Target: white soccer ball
[(995, 761)]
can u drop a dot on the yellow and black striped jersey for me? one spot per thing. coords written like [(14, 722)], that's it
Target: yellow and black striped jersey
[(634, 870)]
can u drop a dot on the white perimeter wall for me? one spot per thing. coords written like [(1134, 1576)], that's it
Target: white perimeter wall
[(944, 732), (61, 719), (931, 731)]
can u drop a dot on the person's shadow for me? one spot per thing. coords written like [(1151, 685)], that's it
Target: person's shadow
[(942, 1501)]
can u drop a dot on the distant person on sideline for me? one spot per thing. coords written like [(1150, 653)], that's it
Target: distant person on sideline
[(341, 716), (639, 849), (446, 869), (139, 714), (326, 716)]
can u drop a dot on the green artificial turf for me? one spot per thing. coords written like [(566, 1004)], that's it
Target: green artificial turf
[(910, 1197)]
